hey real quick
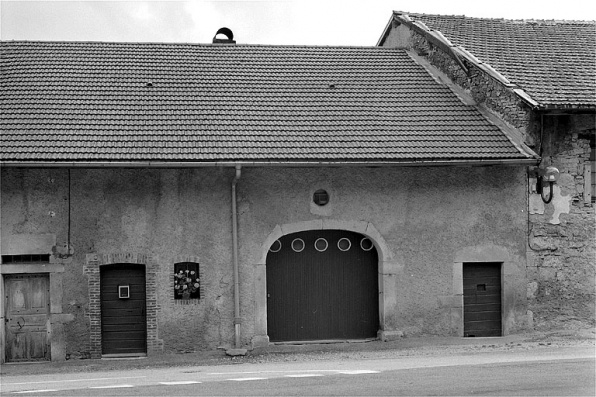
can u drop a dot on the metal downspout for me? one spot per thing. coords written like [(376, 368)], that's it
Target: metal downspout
[(235, 255)]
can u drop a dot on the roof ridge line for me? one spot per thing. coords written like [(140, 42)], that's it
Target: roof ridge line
[(194, 44), (531, 20)]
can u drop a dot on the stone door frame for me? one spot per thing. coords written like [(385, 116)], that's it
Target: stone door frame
[(389, 268), (57, 318)]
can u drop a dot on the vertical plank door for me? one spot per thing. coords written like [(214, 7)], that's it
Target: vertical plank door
[(27, 314), (482, 299), (123, 309), (317, 291)]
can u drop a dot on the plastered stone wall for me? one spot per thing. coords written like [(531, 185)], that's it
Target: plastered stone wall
[(425, 215), (430, 218), (561, 243), (562, 253), (168, 215)]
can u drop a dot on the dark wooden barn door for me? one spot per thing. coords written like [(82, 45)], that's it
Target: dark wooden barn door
[(318, 290), (123, 319), (482, 299), (27, 317)]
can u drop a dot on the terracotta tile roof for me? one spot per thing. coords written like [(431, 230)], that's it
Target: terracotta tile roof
[(67, 101), (553, 61)]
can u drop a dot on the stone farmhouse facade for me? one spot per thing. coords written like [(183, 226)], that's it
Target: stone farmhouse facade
[(177, 197), (538, 78)]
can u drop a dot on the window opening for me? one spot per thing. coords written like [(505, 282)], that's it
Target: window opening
[(344, 244), (321, 244), (366, 244), (25, 258), (276, 246), (321, 197), (298, 245), (124, 291), (187, 283)]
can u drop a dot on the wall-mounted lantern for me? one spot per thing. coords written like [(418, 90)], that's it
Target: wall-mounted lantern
[(545, 177)]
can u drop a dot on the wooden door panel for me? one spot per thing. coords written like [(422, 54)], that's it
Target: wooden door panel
[(109, 328), (124, 304), (123, 320), (482, 299), (17, 295), (27, 315), (37, 343), (17, 345), (135, 294), (38, 294), (329, 294)]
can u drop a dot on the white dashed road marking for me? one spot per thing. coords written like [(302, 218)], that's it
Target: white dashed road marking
[(182, 382), (296, 374), (74, 380), (302, 375)]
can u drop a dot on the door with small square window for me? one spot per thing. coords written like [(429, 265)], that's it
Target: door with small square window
[(123, 309), (482, 299)]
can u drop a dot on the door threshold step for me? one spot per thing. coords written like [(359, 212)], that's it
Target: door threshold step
[(26, 362), (135, 356), (324, 341)]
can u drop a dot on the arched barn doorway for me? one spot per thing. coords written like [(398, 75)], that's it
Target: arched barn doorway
[(322, 284)]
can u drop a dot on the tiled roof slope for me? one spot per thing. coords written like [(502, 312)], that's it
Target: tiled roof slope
[(207, 103), (553, 61)]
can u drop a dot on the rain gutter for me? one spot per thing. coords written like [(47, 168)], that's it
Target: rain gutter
[(237, 320), (193, 164)]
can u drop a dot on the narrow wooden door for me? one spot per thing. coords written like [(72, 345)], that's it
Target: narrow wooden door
[(322, 285), (123, 309), (27, 314), (482, 299)]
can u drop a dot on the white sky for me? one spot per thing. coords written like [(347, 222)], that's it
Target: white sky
[(309, 22)]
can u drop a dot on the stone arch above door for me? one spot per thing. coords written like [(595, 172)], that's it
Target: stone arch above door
[(365, 228)]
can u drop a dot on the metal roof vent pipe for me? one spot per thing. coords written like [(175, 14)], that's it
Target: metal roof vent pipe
[(226, 32)]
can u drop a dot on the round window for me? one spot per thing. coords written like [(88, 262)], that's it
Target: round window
[(344, 244), (276, 246), (366, 244), (321, 244), (321, 197), (298, 245)]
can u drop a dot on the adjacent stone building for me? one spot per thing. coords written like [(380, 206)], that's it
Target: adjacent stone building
[(538, 78)]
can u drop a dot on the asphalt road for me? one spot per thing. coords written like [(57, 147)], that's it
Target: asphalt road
[(556, 372)]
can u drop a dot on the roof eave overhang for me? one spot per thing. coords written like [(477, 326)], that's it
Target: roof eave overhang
[(197, 164), (567, 109)]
